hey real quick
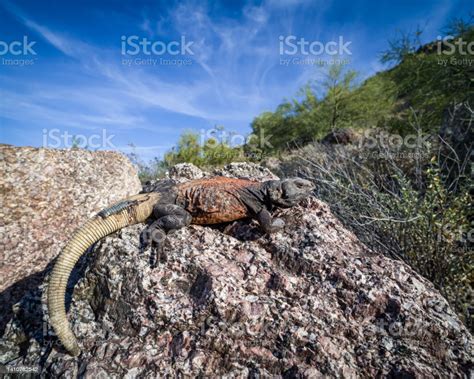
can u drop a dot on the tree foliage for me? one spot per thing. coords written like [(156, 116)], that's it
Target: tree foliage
[(192, 148)]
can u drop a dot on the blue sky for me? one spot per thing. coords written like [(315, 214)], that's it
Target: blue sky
[(80, 81)]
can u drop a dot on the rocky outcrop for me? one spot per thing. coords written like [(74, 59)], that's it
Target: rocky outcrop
[(246, 170), (46, 194), (310, 301), (183, 172)]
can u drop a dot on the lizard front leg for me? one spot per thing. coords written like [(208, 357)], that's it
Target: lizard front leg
[(268, 223), (169, 217)]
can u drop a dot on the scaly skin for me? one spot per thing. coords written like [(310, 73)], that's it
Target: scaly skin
[(216, 200), (173, 206)]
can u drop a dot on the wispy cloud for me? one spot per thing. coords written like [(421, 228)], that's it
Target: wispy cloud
[(145, 88)]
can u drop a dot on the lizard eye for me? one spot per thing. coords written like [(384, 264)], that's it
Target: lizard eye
[(299, 184)]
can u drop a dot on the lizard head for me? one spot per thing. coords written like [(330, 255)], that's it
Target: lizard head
[(287, 193)]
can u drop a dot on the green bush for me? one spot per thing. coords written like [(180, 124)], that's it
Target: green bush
[(208, 153)]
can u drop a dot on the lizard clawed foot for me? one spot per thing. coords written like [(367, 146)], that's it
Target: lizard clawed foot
[(157, 254), (170, 217), (153, 237), (269, 224)]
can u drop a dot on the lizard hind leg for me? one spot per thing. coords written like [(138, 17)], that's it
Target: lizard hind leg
[(170, 217)]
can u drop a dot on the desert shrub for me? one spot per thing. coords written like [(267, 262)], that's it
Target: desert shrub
[(397, 201), (208, 153)]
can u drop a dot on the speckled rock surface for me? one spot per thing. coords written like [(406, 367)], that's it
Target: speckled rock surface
[(246, 170), (46, 194), (310, 301), (183, 172)]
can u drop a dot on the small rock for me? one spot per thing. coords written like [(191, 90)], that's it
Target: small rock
[(246, 170), (185, 171)]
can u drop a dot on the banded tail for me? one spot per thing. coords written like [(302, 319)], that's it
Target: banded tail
[(131, 211)]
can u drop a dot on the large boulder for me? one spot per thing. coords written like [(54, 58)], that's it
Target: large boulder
[(46, 194), (309, 301)]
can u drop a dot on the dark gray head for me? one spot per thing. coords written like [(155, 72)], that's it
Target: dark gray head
[(287, 193)]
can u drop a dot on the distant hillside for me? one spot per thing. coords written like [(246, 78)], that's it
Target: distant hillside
[(425, 81)]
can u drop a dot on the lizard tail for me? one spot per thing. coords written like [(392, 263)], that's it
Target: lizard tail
[(134, 210)]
